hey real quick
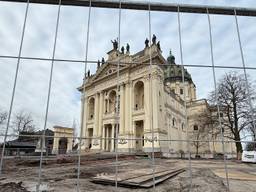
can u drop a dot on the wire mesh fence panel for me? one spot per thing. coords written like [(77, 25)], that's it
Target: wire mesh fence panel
[(117, 95)]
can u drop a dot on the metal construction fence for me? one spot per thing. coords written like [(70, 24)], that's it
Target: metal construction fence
[(121, 5)]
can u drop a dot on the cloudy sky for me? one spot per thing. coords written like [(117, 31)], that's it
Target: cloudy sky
[(33, 77)]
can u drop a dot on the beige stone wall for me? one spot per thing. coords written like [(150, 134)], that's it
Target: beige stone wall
[(62, 132), (146, 105)]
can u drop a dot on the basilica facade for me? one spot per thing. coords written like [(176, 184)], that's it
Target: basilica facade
[(148, 105)]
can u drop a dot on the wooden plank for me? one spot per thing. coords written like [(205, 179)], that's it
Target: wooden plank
[(143, 181), (131, 174), (145, 178), (161, 179)]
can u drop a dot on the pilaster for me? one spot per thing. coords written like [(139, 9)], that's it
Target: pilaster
[(84, 115), (103, 138), (112, 137), (96, 128), (127, 106), (155, 101), (96, 116), (122, 109), (147, 104), (69, 145), (130, 107), (55, 145), (101, 103)]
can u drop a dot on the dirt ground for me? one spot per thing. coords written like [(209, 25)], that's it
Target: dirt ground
[(21, 175)]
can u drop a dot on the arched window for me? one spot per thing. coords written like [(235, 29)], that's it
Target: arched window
[(91, 108), (182, 126), (112, 101), (174, 122), (139, 95), (195, 127)]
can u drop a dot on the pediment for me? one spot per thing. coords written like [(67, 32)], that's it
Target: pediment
[(105, 70), (127, 61)]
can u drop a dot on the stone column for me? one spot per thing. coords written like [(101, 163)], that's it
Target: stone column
[(107, 135), (103, 138), (155, 96), (108, 107), (96, 115), (101, 103), (151, 112), (147, 104), (69, 145), (112, 137), (134, 135), (96, 128), (125, 118), (84, 111), (131, 96), (55, 145), (101, 111), (127, 107), (122, 110)]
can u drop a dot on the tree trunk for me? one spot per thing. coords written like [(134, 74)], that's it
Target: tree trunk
[(239, 149)]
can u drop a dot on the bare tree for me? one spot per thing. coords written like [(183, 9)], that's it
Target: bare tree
[(252, 123), (3, 116), (202, 130), (23, 122), (197, 136), (233, 99)]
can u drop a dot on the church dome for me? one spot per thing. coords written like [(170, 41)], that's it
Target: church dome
[(173, 72)]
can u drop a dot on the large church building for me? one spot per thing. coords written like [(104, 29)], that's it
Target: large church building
[(155, 107)]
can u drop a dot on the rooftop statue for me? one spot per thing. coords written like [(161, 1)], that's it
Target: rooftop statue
[(115, 44), (98, 64), (146, 42), (154, 39), (103, 60), (88, 73), (122, 50), (127, 48), (159, 46)]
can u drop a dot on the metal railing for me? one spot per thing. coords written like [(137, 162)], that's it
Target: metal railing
[(120, 5)]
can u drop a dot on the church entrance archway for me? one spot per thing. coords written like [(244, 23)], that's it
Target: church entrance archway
[(108, 135), (63, 144), (139, 133), (90, 135), (139, 95)]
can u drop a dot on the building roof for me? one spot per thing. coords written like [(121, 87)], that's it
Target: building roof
[(28, 139), (21, 144), (173, 72)]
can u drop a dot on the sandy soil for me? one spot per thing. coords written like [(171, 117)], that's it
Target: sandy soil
[(207, 175)]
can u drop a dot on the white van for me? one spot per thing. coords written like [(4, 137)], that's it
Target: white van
[(249, 156)]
